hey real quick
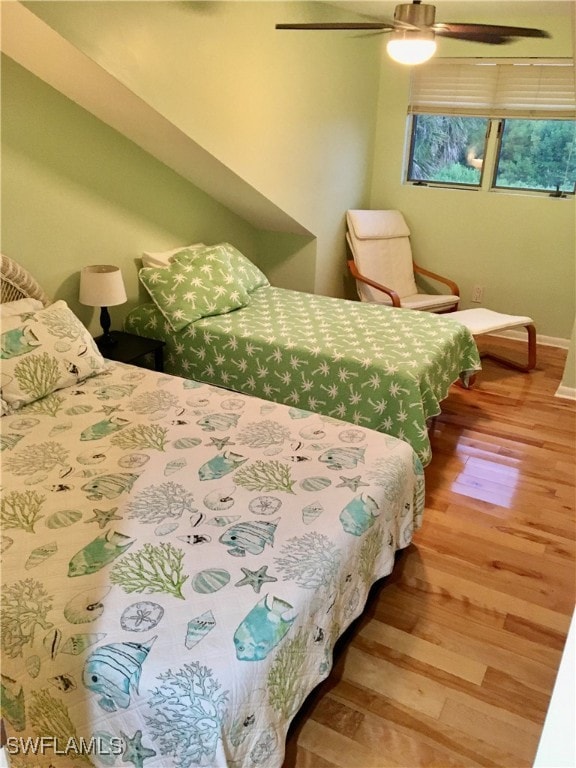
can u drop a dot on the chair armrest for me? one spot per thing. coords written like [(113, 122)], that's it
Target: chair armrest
[(454, 290), (372, 283)]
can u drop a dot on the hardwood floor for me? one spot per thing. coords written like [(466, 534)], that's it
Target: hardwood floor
[(454, 660)]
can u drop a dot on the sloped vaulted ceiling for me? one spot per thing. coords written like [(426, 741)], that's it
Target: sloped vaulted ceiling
[(36, 46)]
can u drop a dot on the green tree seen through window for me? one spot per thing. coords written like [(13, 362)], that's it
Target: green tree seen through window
[(538, 154), (531, 154)]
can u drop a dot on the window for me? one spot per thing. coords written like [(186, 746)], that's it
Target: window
[(537, 154), (447, 149), (499, 124)]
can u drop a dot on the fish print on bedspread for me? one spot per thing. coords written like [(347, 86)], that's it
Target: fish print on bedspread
[(18, 341), (262, 629), (173, 587), (114, 671), (98, 553), (251, 537)]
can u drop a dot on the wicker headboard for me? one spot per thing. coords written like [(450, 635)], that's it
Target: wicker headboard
[(18, 283)]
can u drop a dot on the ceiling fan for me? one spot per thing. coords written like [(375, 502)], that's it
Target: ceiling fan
[(414, 30)]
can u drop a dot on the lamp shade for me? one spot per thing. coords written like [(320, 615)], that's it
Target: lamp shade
[(101, 285)]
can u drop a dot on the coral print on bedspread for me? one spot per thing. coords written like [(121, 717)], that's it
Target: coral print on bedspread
[(177, 563)]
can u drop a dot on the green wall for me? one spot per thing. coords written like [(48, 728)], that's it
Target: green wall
[(293, 115), (520, 248), (315, 122), (75, 192)]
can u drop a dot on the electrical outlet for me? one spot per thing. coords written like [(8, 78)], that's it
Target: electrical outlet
[(477, 294)]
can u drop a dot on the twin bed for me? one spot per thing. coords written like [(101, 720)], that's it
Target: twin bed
[(379, 367), (178, 559)]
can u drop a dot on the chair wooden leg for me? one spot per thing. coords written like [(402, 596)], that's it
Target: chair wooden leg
[(467, 381), (531, 329)]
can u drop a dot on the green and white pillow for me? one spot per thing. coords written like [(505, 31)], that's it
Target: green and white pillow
[(44, 351), (197, 284), (244, 272), (243, 269)]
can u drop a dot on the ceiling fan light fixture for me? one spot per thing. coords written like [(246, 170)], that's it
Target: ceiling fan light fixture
[(411, 46)]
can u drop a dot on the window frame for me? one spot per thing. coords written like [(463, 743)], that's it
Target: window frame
[(521, 190), (497, 90), (432, 183)]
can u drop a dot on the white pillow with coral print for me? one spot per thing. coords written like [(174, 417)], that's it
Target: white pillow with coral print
[(44, 352)]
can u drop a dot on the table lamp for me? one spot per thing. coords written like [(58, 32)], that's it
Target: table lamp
[(101, 285)]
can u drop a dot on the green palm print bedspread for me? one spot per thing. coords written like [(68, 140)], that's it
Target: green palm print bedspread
[(177, 563), (383, 368)]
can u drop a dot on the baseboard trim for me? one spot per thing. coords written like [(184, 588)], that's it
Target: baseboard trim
[(568, 393), (547, 341)]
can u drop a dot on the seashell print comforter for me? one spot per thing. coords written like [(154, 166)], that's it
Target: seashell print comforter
[(178, 561)]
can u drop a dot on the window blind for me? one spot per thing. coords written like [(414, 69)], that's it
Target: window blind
[(527, 88)]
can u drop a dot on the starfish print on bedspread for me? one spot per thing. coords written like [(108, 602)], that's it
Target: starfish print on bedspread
[(351, 482), (255, 578), (104, 516), (134, 751)]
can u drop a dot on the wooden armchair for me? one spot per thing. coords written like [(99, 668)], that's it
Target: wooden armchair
[(381, 263)]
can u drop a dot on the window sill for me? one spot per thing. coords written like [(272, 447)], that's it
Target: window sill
[(494, 190)]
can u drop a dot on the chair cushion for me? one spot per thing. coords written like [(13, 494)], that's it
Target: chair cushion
[(380, 225), (429, 301), (421, 301), (388, 262)]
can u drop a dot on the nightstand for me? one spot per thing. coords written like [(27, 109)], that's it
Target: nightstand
[(130, 348)]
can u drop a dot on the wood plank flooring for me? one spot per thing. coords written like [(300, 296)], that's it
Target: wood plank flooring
[(454, 660)]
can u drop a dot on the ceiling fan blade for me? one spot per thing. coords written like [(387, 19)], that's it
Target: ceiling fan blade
[(490, 29), (338, 25), (474, 37)]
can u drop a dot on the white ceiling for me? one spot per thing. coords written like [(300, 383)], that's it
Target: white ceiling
[(450, 10)]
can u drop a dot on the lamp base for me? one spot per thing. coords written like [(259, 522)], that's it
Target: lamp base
[(106, 340)]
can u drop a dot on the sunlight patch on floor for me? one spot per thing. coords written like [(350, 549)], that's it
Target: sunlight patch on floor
[(487, 481)]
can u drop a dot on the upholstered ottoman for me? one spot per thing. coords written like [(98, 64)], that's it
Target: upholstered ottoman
[(480, 321)]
